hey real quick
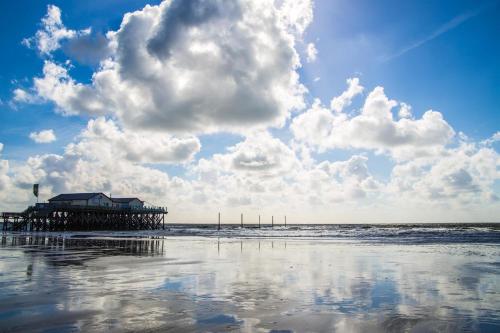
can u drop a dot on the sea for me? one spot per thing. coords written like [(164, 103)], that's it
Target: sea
[(294, 278)]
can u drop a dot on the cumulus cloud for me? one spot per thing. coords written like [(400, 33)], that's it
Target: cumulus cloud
[(88, 49), (103, 137), (465, 173), (80, 173), (4, 178), (10, 195), (264, 172), (349, 179), (70, 97), (374, 129), (53, 31), (312, 52), (45, 136), (260, 173), (252, 172), (345, 99), (404, 111), (196, 66), (297, 15), (259, 155), (105, 158), (23, 96)]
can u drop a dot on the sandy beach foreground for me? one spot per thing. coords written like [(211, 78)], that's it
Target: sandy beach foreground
[(67, 283)]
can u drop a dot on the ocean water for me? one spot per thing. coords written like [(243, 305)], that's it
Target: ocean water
[(421, 278), (389, 233)]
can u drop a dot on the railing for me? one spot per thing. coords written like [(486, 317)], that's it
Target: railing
[(49, 206)]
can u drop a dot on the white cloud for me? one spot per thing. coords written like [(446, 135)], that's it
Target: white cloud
[(70, 97), (103, 137), (45, 136), (463, 175), (262, 174), (22, 96), (10, 195), (48, 39), (260, 155), (345, 99), (197, 66), (351, 179), (296, 14), (103, 158), (4, 178), (494, 138), (312, 52), (404, 111), (314, 126), (374, 129)]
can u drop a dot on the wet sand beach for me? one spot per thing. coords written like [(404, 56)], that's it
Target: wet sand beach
[(106, 283)]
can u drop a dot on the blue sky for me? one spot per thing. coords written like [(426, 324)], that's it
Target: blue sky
[(441, 56), (457, 72)]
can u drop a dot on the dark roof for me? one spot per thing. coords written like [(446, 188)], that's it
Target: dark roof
[(75, 196), (124, 200)]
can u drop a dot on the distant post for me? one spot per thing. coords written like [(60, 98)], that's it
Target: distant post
[(272, 221), (218, 226), (259, 221), (285, 220), (242, 220)]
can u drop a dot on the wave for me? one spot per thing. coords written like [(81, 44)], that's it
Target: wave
[(387, 233)]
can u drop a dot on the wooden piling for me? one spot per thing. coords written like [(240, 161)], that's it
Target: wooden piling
[(218, 225), (259, 221), (242, 220), (81, 218), (272, 221)]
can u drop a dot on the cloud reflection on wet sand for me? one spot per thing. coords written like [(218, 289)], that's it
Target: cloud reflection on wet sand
[(198, 284)]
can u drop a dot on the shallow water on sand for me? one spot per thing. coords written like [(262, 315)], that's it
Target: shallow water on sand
[(66, 283)]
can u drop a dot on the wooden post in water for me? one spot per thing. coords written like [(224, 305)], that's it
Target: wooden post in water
[(285, 220), (242, 220), (259, 221), (218, 226), (272, 221)]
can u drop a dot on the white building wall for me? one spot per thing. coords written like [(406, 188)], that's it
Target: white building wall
[(136, 203), (100, 200)]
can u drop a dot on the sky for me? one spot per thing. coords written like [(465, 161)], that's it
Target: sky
[(324, 111)]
